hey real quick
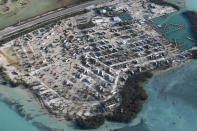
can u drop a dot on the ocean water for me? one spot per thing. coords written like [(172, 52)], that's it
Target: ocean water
[(171, 105), (10, 121)]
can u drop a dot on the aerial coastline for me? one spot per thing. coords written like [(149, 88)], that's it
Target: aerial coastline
[(103, 92)]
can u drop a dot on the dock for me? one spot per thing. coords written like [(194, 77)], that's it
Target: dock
[(176, 24), (170, 31), (190, 38)]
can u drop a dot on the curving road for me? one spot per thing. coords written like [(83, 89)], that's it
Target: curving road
[(12, 30)]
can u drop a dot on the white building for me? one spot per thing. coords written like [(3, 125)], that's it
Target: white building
[(116, 19), (98, 20), (103, 11)]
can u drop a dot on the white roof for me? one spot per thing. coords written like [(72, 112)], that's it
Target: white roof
[(103, 11), (116, 18)]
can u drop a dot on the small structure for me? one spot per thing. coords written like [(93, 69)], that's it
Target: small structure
[(123, 42), (103, 11), (98, 20), (87, 80), (116, 19)]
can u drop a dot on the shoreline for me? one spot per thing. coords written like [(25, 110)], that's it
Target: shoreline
[(100, 119), (122, 113), (178, 65), (118, 112), (21, 107)]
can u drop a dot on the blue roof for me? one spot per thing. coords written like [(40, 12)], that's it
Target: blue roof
[(124, 16)]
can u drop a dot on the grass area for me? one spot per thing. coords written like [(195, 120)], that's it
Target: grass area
[(25, 31), (90, 24)]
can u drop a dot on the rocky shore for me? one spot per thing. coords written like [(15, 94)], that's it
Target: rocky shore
[(6, 80), (192, 16)]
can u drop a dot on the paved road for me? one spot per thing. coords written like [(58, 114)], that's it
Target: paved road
[(12, 30)]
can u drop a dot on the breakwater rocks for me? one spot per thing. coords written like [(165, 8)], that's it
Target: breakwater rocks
[(43, 127), (164, 3), (192, 16), (17, 107), (132, 95)]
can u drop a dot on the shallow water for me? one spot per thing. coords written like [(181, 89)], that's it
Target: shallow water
[(172, 101), (181, 35), (9, 115), (178, 18), (171, 105), (10, 121)]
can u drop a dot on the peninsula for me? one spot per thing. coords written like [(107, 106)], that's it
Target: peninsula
[(89, 67)]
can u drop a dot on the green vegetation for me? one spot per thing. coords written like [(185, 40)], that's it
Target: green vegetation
[(192, 16), (133, 96), (90, 122), (90, 24)]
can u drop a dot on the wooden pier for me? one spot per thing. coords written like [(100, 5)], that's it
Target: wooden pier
[(176, 24), (177, 44), (170, 31), (190, 38)]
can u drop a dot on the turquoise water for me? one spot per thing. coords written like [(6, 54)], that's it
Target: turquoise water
[(10, 121), (9, 116), (181, 35), (171, 105), (178, 18)]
